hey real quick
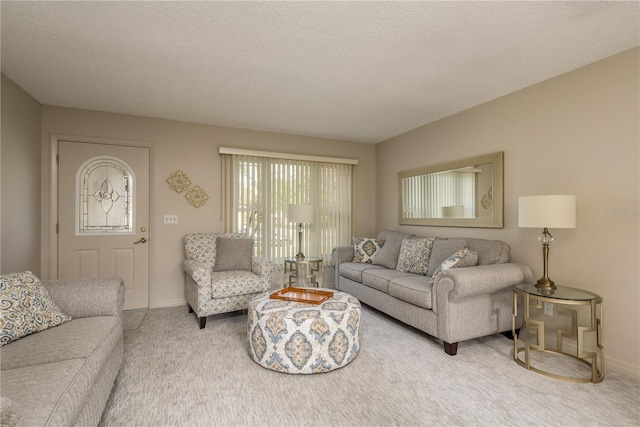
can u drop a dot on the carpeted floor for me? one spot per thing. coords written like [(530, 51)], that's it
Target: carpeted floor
[(175, 374), (131, 319)]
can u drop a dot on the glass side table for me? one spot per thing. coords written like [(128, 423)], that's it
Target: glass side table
[(311, 265), (565, 298)]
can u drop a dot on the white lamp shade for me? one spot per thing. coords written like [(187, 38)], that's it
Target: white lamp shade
[(549, 211), (300, 213)]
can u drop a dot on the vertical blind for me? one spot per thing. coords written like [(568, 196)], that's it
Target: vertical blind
[(426, 195), (261, 188)]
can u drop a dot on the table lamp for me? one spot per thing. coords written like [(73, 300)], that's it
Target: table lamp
[(549, 211), (300, 214)]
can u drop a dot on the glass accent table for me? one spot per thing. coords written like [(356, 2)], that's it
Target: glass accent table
[(564, 297), (310, 264)]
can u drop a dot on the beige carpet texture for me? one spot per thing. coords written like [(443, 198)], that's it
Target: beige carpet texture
[(175, 374)]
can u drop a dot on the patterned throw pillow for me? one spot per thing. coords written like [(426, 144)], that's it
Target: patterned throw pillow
[(26, 307), (365, 249), (462, 258), (414, 255)]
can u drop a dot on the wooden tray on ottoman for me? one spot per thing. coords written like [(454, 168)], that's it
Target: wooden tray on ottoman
[(309, 296)]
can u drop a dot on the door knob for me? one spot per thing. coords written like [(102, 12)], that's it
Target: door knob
[(142, 240)]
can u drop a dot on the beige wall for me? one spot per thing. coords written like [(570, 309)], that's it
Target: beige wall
[(20, 177), (192, 148), (574, 134)]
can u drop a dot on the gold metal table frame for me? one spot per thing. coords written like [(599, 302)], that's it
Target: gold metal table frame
[(533, 298), (310, 265)]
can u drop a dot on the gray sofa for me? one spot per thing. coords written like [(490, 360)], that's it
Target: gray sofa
[(63, 376), (460, 303)]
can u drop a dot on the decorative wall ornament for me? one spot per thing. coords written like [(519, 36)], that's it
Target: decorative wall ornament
[(179, 181), (487, 199), (196, 196)]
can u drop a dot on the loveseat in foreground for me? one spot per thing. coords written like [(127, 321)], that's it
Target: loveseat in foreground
[(457, 304), (62, 376)]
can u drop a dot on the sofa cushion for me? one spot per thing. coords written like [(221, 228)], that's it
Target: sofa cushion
[(379, 279), (27, 307), (414, 255), (77, 339), (394, 235), (233, 254), (456, 260), (234, 282), (490, 251), (365, 249), (415, 289), (354, 270), (443, 249), (388, 254)]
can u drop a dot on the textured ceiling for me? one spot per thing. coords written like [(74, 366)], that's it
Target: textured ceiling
[(361, 71)]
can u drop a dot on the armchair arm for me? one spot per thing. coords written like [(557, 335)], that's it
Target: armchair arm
[(200, 273), (458, 283), (262, 266), (88, 297)]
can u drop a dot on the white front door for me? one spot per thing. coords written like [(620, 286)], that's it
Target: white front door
[(103, 215)]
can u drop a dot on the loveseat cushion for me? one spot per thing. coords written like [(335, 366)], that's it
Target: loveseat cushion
[(77, 339), (379, 279), (53, 372), (59, 388), (415, 290)]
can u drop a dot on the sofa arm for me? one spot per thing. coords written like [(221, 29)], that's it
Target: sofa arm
[(458, 283), (200, 273), (88, 297), (262, 266), (340, 254)]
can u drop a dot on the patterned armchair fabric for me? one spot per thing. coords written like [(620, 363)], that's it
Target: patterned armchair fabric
[(210, 292)]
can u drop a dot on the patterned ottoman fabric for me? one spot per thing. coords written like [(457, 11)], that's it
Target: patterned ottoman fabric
[(299, 338)]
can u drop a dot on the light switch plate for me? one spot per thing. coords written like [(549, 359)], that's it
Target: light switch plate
[(171, 219)]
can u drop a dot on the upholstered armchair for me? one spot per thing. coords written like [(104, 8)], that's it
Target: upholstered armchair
[(221, 275)]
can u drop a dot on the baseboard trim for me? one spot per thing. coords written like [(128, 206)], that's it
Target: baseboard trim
[(610, 363), (171, 303)]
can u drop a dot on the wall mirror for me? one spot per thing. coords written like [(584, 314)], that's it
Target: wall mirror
[(464, 193)]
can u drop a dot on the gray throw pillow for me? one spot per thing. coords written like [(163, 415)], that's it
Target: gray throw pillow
[(394, 235), (442, 249), (233, 254), (388, 255)]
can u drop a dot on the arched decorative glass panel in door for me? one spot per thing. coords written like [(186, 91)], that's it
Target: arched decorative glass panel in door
[(104, 189)]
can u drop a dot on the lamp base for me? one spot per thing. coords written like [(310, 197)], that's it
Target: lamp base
[(299, 255), (545, 283)]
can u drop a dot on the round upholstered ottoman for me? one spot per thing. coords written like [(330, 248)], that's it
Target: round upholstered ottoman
[(301, 338)]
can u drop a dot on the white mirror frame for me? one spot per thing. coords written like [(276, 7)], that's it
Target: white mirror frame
[(495, 221)]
